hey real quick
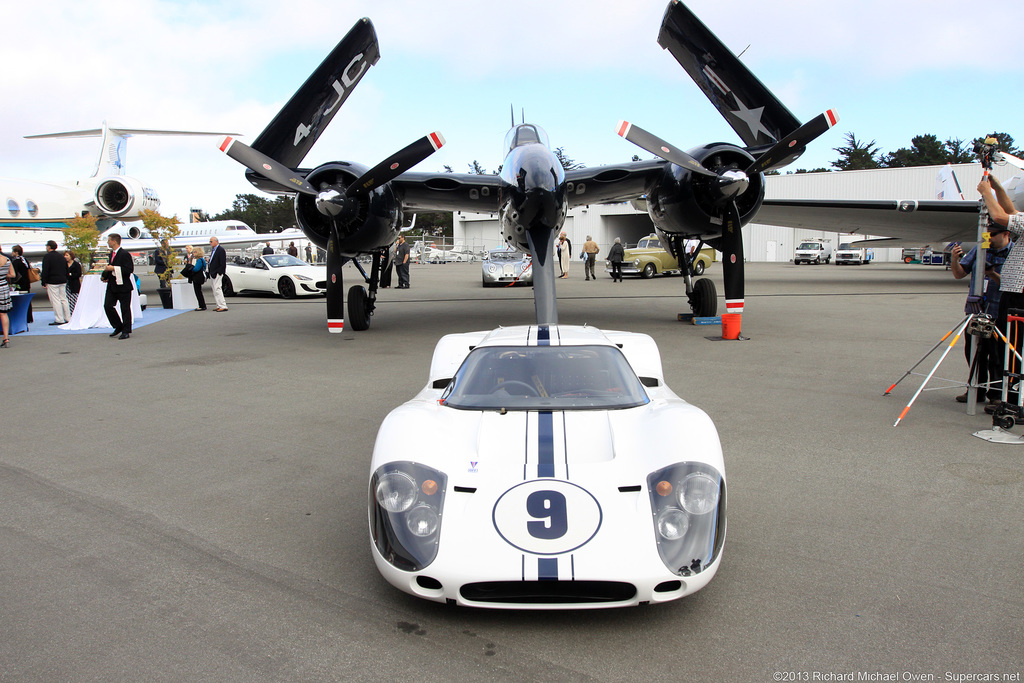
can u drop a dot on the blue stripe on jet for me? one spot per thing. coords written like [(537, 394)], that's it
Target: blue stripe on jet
[(546, 444), (543, 336), (547, 569)]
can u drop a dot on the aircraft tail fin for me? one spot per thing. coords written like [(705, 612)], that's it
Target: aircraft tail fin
[(946, 184), (289, 137), (114, 147), (757, 116)]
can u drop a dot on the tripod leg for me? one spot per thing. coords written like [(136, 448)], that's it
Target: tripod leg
[(945, 353), (959, 325)]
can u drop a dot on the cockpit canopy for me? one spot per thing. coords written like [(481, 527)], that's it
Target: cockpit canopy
[(525, 134)]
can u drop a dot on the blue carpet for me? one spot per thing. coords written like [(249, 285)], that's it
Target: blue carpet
[(42, 327)]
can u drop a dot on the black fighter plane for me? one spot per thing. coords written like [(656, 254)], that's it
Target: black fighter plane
[(707, 193)]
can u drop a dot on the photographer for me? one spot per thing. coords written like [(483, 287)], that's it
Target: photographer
[(1003, 213), (989, 361)]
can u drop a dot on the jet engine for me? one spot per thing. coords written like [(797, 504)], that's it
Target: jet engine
[(123, 196), (683, 202), (363, 222)]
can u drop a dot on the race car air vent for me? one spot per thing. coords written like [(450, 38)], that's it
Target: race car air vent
[(432, 583), (668, 586), (441, 383), (548, 592), (649, 381)]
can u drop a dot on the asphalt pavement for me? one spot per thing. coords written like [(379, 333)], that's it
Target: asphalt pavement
[(190, 504)]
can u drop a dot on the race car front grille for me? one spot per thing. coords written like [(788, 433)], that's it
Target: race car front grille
[(548, 592)]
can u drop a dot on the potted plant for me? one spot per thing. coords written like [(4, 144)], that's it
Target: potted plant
[(162, 228)]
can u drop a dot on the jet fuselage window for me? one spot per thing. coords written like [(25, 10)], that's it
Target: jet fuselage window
[(13, 208)]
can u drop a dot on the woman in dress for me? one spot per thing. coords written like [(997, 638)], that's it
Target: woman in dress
[(6, 303), (74, 278), (198, 275)]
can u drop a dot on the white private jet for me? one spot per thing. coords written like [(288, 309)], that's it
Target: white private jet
[(108, 194)]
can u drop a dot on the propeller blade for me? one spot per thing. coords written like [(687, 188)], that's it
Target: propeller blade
[(265, 166), (732, 271), (335, 287), (787, 149), (658, 147), (396, 164)]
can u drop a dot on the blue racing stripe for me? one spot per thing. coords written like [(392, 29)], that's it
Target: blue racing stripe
[(545, 444), (547, 569), (543, 336)]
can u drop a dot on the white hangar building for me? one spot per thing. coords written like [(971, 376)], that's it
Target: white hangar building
[(605, 222)]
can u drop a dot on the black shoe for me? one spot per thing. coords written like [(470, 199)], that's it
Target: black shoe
[(115, 333), (54, 323), (124, 335)]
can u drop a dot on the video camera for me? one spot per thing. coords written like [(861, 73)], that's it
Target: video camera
[(985, 149)]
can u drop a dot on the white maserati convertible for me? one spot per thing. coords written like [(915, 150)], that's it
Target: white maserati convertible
[(547, 467), (275, 273)]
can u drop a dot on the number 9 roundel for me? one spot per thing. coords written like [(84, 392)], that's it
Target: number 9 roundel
[(547, 517)]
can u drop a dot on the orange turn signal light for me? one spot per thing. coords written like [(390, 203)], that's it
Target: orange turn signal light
[(429, 487), (664, 488)]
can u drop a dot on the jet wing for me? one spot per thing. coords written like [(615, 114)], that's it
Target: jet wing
[(448, 191), (909, 221), (611, 184)]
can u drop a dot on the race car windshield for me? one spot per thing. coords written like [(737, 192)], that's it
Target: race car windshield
[(283, 261), (545, 378)]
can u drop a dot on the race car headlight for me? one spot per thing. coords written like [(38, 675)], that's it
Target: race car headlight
[(396, 492), (688, 509), (405, 504), (302, 277)]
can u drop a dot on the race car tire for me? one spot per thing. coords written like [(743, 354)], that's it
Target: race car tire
[(286, 287), (226, 287)]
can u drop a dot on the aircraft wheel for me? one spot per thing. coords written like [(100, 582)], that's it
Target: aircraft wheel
[(358, 315), (286, 287), (704, 299), (225, 286), (648, 271), (698, 268)]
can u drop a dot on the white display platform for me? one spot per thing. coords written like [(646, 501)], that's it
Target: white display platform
[(183, 296)]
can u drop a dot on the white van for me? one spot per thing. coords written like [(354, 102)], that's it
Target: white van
[(813, 251)]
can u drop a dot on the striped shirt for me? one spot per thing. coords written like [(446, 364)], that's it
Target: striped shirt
[(1013, 269)]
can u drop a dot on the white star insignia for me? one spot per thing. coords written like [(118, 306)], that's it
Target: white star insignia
[(752, 117)]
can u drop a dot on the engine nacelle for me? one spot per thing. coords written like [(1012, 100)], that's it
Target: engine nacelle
[(375, 225), (121, 196), (681, 202)]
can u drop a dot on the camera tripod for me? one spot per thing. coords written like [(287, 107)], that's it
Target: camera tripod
[(982, 327)]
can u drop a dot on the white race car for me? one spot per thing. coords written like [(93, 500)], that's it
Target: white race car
[(275, 273), (547, 467)]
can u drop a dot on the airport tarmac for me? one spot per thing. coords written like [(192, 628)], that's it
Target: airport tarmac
[(190, 504)]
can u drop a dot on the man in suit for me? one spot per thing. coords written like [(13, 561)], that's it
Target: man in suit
[(118, 274), (55, 278), (216, 269)]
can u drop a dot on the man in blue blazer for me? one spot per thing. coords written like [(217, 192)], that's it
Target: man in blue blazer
[(217, 268), (118, 275)]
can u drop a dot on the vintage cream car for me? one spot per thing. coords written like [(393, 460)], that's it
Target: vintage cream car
[(649, 258)]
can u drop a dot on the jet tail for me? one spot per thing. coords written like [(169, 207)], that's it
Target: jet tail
[(114, 148), (757, 116)]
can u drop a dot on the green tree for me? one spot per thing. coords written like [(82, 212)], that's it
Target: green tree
[(162, 228), (856, 155), (261, 214), (81, 237), (924, 150), (568, 163)]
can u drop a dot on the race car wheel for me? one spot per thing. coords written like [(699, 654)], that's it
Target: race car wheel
[(704, 299), (698, 268), (649, 271), (358, 315), (225, 286), (286, 287)]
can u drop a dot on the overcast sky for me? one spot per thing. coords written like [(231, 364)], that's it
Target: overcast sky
[(892, 69)]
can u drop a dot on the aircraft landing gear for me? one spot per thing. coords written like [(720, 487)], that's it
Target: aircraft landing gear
[(361, 303), (701, 294)]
